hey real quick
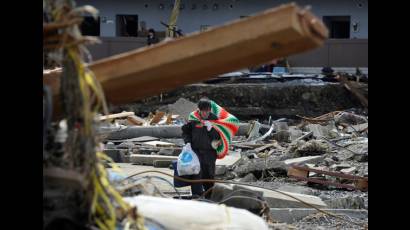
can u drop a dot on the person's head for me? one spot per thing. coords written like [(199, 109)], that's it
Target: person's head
[(204, 106), (151, 32)]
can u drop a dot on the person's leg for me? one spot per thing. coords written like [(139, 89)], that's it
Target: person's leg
[(196, 188), (209, 173)]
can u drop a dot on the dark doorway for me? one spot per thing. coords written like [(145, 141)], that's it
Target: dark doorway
[(90, 26), (127, 25), (339, 26)]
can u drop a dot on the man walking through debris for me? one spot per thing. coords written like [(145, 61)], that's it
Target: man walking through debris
[(204, 140)]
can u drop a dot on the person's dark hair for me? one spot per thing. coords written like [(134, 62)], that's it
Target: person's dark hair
[(204, 103), (151, 31)]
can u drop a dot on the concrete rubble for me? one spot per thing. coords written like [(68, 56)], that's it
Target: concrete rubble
[(337, 145), (258, 99), (299, 158)]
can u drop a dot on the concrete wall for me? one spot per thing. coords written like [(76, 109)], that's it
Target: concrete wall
[(335, 52), (115, 45), (191, 19)]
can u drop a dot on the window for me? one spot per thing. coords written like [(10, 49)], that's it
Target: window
[(339, 26), (127, 25), (90, 26)]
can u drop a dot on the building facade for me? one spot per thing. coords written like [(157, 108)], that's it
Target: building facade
[(347, 21)]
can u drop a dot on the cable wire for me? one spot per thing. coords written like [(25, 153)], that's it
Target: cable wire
[(241, 183)]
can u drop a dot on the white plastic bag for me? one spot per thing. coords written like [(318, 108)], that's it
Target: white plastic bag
[(188, 162)]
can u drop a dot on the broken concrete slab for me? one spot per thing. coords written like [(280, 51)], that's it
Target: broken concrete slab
[(296, 189), (328, 131), (143, 139), (318, 130), (175, 141), (278, 200), (349, 170), (265, 153), (350, 118), (259, 165), (220, 191), (229, 175), (291, 215), (359, 149), (128, 169), (220, 170), (231, 159), (310, 148), (304, 137), (169, 152), (335, 158), (304, 160), (344, 155), (253, 131), (149, 159), (146, 151), (126, 145), (282, 136), (329, 161), (280, 126), (358, 128), (362, 158), (248, 178), (348, 202), (162, 163), (110, 145), (295, 133), (282, 131), (159, 144), (115, 155), (228, 195)]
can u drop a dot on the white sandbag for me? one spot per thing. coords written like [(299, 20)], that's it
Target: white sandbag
[(188, 214)]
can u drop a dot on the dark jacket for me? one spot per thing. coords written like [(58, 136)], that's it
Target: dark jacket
[(153, 40), (195, 133)]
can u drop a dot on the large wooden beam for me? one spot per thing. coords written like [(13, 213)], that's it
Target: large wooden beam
[(148, 71)]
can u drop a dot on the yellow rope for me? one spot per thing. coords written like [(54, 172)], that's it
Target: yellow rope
[(105, 200)]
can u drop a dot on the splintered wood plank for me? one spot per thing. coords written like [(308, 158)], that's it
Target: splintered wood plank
[(297, 172), (135, 120), (158, 116), (277, 32), (362, 184), (117, 115), (169, 119)]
